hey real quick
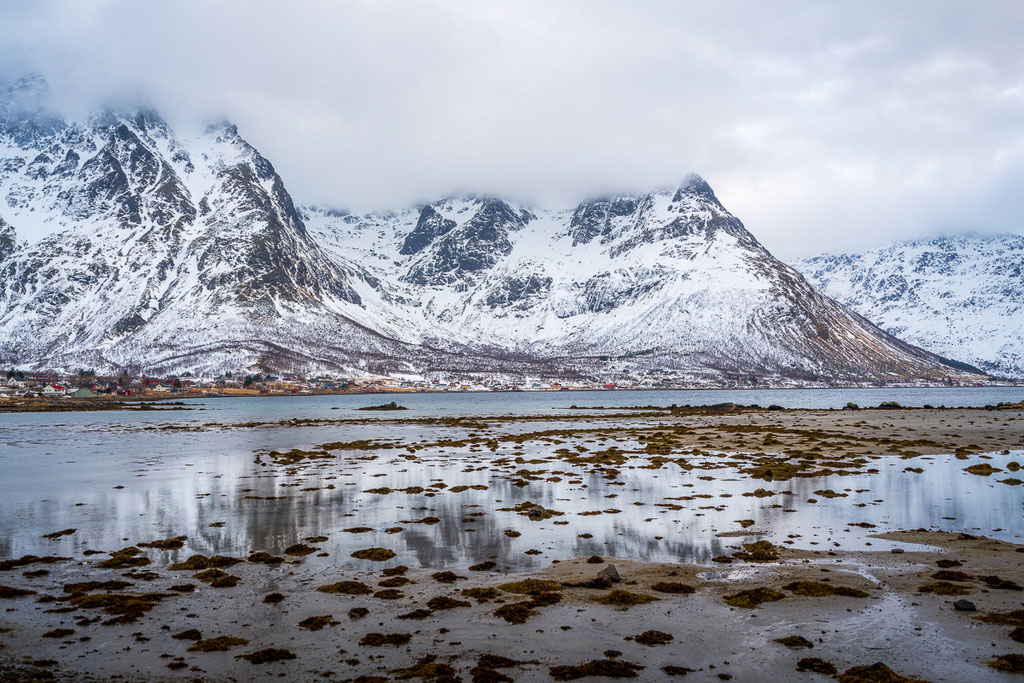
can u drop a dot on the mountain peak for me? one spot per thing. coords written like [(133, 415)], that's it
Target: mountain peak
[(694, 185), (31, 85), (23, 114)]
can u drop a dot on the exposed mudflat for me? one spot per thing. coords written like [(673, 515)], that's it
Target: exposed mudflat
[(479, 548)]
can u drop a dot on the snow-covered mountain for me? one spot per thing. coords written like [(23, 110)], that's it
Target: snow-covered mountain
[(164, 252), (171, 253), (959, 296), (668, 279)]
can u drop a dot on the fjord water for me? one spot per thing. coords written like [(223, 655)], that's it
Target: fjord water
[(118, 478)]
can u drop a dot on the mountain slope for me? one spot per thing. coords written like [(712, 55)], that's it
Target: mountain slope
[(168, 253), (962, 296), (668, 279)]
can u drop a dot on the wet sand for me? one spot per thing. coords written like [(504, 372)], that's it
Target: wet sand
[(842, 589)]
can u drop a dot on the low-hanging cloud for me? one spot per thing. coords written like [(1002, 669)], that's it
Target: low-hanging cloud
[(824, 126)]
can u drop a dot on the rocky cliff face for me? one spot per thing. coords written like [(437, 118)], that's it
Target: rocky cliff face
[(169, 253), (959, 296), (162, 250)]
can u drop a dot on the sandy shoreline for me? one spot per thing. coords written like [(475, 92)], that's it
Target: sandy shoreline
[(879, 615)]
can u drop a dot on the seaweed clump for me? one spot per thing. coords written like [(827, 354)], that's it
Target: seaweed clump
[(300, 549), (10, 592), (427, 668), (267, 656), (530, 586), (383, 639), (874, 673), (318, 622), (125, 558), (346, 588), (624, 598), (218, 644), (176, 543), (795, 641), (217, 578), (1014, 618), (610, 668), (673, 587), (374, 554), (1012, 663), (265, 558), (519, 612), (652, 638), (197, 562), (751, 598), (25, 560), (1002, 584), (816, 665), (944, 588), (758, 551), (481, 594), (125, 608), (819, 589), (62, 532), (486, 669), (444, 602)]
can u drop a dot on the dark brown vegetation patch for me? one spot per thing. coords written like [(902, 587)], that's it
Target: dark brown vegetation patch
[(11, 592), (873, 673), (609, 668), (751, 598), (624, 598), (318, 622), (346, 588), (267, 656), (816, 665), (300, 549), (125, 608), (383, 639), (125, 558), (374, 554), (818, 589), (1013, 663), (175, 543), (652, 638), (217, 578), (530, 586), (218, 644), (58, 534), (197, 562), (795, 641), (673, 587), (444, 602)]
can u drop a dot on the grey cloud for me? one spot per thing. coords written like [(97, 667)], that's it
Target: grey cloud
[(824, 126)]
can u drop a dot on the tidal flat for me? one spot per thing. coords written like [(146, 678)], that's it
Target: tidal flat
[(646, 542)]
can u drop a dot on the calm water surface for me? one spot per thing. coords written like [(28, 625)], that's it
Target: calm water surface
[(117, 483)]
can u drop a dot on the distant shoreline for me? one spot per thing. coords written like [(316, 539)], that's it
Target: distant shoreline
[(178, 401)]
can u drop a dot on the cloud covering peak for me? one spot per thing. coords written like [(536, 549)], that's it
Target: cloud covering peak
[(824, 125)]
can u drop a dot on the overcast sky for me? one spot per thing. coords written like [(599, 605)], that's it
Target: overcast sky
[(822, 125)]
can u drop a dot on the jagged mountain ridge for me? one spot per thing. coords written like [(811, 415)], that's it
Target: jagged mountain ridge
[(169, 253), (669, 279), (166, 252), (959, 296)]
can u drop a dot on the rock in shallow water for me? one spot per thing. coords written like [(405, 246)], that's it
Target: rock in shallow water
[(964, 606)]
